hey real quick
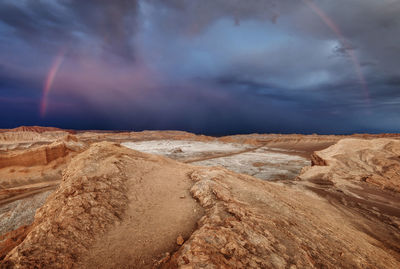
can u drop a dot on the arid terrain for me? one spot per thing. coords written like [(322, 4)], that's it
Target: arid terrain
[(171, 199)]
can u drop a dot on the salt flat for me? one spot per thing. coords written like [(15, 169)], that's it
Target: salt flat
[(185, 149), (261, 162)]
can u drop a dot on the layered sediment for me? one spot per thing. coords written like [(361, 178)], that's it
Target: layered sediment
[(119, 208), (375, 161)]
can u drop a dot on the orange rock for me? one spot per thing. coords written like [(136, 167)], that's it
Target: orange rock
[(180, 240)]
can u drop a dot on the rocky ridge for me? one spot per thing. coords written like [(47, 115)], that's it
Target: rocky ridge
[(112, 199), (42, 155), (375, 161)]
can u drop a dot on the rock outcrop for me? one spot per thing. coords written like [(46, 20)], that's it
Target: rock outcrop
[(375, 161), (36, 129), (42, 155), (91, 197), (119, 208), (114, 208), (12, 239), (254, 224), (30, 137), (27, 177)]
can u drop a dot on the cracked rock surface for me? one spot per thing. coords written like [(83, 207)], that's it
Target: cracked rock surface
[(120, 208)]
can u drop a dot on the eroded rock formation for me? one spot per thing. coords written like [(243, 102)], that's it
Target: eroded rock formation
[(375, 161), (254, 224), (38, 156), (119, 208)]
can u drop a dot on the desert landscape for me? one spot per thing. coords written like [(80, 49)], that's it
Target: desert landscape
[(171, 199), (208, 134)]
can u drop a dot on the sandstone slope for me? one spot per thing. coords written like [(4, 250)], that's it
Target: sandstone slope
[(40, 155), (119, 208), (26, 179), (375, 161), (114, 208), (37, 129), (257, 224)]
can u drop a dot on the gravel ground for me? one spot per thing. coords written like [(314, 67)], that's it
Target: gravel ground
[(20, 212)]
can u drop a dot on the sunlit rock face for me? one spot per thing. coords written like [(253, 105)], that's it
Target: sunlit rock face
[(112, 199), (374, 161), (174, 199)]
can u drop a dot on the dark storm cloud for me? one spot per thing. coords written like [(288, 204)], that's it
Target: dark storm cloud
[(114, 22), (17, 18), (35, 22), (214, 66), (63, 23), (394, 81), (205, 12), (372, 27)]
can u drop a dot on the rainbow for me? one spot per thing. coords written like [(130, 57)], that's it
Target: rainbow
[(329, 22), (50, 80)]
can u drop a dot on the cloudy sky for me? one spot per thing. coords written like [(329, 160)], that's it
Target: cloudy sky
[(211, 66)]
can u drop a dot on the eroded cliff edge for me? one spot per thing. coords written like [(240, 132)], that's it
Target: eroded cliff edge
[(119, 208)]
